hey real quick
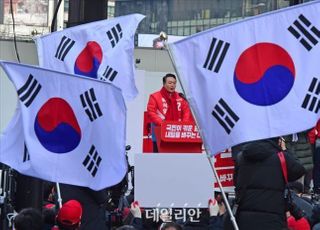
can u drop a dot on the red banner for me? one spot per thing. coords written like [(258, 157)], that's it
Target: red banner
[(226, 177), (180, 132)]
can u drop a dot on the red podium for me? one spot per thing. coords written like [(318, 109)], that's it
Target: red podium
[(178, 137)]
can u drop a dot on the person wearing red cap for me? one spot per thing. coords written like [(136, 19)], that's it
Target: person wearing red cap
[(69, 216)]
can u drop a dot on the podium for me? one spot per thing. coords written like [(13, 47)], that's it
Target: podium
[(178, 137)]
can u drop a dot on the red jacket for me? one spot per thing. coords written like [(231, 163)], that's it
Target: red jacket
[(314, 133), (157, 108)]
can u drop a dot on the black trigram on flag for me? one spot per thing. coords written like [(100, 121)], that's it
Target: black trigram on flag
[(115, 34), (307, 34), (109, 74), (28, 92), (64, 47), (217, 52), (26, 155), (225, 116), (90, 104), (311, 101), (92, 161)]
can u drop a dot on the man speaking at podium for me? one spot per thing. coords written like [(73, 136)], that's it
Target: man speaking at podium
[(167, 105)]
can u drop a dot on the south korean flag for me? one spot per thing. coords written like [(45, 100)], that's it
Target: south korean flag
[(67, 129), (102, 50), (253, 79)]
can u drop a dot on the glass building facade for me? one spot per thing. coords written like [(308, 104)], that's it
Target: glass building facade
[(186, 17)]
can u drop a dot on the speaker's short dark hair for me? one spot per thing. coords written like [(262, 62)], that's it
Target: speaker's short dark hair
[(168, 75)]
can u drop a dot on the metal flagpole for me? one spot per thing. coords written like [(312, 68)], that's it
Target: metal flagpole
[(59, 194), (232, 218)]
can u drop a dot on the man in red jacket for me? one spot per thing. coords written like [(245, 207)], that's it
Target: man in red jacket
[(167, 104)]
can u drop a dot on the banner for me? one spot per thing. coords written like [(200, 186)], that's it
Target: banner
[(253, 79), (67, 129)]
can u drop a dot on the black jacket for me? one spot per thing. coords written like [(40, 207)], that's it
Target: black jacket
[(93, 216), (260, 185)]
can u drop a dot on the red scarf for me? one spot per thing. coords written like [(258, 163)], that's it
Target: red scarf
[(171, 99)]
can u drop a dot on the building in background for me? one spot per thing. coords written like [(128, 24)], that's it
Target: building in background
[(175, 17), (186, 17)]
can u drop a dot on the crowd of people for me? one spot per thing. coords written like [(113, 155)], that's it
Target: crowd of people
[(69, 217), (252, 212)]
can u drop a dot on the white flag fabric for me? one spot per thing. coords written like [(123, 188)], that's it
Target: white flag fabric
[(253, 79), (66, 129), (101, 49)]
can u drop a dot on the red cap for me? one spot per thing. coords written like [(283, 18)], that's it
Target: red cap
[(70, 213)]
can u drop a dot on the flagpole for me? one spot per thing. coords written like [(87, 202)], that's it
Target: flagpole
[(59, 194), (232, 218)]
